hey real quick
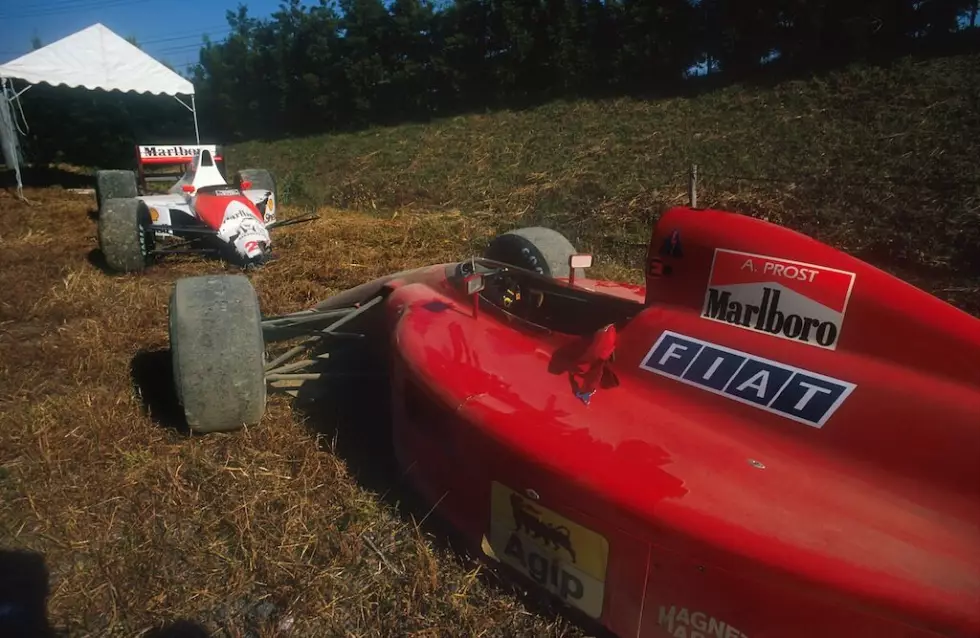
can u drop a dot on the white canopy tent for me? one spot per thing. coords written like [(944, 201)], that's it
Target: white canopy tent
[(94, 58)]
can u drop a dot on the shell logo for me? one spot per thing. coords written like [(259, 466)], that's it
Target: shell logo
[(270, 209), (154, 214)]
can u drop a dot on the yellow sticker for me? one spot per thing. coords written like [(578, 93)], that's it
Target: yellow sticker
[(154, 214), (565, 558)]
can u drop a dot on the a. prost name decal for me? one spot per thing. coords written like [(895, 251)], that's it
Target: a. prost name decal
[(788, 299), (789, 391)]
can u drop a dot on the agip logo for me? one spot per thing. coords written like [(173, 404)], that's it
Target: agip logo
[(560, 555), (788, 299)]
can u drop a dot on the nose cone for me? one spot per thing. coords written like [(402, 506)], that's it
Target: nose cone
[(258, 253)]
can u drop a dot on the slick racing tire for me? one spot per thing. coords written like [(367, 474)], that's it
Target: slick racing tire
[(114, 185), (218, 352), (538, 249), (124, 237)]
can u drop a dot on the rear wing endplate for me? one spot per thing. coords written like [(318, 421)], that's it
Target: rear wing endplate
[(175, 155)]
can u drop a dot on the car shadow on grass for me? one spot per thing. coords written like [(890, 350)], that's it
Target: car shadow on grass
[(352, 419), (96, 258), (151, 373)]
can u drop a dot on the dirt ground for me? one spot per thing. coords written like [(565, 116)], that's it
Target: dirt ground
[(291, 528)]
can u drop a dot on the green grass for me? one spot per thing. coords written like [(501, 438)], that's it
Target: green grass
[(881, 162)]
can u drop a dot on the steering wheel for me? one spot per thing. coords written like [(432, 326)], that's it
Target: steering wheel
[(506, 291), (503, 290)]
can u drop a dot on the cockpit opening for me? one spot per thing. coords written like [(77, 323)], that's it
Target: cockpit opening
[(542, 302)]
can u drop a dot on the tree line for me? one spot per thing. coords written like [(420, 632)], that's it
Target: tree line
[(314, 68)]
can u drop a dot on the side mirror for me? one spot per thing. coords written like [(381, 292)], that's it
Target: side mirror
[(475, 284), (246, 184), (187, 188), (578, 260)]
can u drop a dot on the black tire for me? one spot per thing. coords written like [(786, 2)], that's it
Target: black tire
[(218, 352), (123, 235), (114, 185), (538, 249)]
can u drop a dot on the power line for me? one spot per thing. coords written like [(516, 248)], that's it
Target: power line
[(56, 5), (186, 47), (86, 5), (223, 30)]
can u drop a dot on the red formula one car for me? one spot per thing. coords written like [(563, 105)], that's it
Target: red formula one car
[(770, 438)]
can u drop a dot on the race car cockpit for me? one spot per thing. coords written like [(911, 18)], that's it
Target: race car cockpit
[(542, 302)]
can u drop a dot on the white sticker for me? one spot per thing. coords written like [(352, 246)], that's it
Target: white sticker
[(792, 300), (682, 623)]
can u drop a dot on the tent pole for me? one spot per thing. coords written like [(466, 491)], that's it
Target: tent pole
[(197, 133)]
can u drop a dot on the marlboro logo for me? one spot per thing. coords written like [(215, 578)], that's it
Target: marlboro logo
[(176, 151), (788, 299)]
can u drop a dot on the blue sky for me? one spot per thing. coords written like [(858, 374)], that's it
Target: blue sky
[(169, 30)]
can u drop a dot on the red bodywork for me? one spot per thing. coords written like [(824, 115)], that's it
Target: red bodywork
[(669, 508), (212, 203)]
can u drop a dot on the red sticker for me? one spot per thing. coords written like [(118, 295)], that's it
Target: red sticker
[(784, 298)]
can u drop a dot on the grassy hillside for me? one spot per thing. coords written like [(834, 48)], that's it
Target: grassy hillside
[(879, 161)]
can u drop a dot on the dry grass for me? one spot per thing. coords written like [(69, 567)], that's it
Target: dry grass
[(276, 531)]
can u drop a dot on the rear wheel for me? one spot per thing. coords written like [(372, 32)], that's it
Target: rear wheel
[(538, 249), (114, 185), (218, 352), (124, 237)]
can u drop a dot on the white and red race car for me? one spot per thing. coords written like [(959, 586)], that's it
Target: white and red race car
[(201, 211)]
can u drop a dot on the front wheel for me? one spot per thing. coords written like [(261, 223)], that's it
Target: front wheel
[(218, 352), (124, 235)]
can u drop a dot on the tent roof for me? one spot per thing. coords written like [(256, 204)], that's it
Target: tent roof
[(97, 58)]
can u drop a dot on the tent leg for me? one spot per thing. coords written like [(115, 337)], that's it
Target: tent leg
[(197, 133)]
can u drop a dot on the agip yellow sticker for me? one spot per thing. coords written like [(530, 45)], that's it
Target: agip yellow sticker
[(565, 558)]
